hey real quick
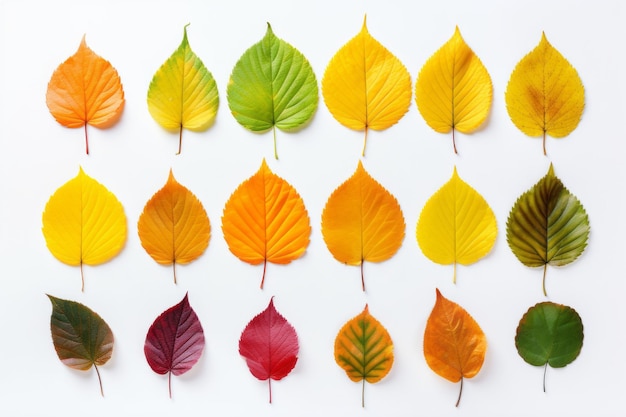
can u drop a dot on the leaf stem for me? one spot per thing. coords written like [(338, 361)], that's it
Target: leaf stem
[(454, 142), (362, 276), (460, 392), (174, 269), (169, 383), (363, 394), (364, 142), (544, 143), (545, 368), (82, 278), (454, 274), (275, 150), (264, 269), (180, 140), (269, 383), (99, 379), (543, 281), (86, 140)]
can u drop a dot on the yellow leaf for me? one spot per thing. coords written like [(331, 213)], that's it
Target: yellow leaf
[(84, 223), (545, 94), (456, 225), (174, 227), (265, 220), (365, 86), (362, 221), (453, 90)]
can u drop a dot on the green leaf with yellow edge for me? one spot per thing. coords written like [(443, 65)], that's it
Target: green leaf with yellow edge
[(365, 86), (545, 94), (453, 90), (364, 349), (456, 225), (547, 225), (272, 86), (84, 223), (183, 93)]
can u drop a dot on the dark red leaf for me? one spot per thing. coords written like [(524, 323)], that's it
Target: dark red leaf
[(175, 341), (270, 346)]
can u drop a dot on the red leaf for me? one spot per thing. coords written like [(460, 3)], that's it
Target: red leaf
[(270, 345), (175, 341)]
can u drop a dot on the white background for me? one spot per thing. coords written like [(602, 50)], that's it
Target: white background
[(316, 293)]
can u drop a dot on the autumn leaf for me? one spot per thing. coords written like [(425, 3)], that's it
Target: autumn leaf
[(272, 86), (270, 346), (549, 334), (547, 225), (174, 227), (365, 86), (454, 344), (85, 89), (363, 348), (84, 223), (545, 95), (453, 90), (175, 341), (80, 337), (362, 221), (265, 221), (183, 93), (456, 225)]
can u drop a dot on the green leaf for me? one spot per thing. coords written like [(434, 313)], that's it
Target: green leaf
[(549, 334), (547, 225), (272, 86), (80, 337), (183, 93)]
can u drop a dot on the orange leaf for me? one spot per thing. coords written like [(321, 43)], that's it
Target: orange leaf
[(362, 221), (454, 344), (174, 227), (265, 220), (85, 89)]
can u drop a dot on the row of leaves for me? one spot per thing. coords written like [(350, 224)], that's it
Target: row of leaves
[(265, 220), (364, 87), (454, 344)]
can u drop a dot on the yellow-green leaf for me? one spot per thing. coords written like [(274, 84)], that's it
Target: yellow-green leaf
[(365, 86), (362, 221), (453, 90), (84, 223), (545, 95), (364, 349), (456, 225), (183, 93)]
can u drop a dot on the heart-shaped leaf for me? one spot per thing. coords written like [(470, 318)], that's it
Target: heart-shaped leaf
[(545, 94), (270, 346), (174, 227), (84, 223), (363, 348), (183, 93), (85, 89), (80, 337), (175, 341), (272, 86), (365, 86), (547, 225), (265, 220), (454, 344), (549, 334), (362, 221), (453, 90), (456, 225)]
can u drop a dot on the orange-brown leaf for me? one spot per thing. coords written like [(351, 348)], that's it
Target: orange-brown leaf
[(85, 89), (174, 227), (454, 344), (265, 220)]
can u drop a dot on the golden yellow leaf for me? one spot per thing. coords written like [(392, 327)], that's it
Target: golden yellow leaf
[(265, 220), (84, 223), (545, 95), (174, 227), (362, 221), (456, 225), (365, 86), (453, 90), (364, 349), (454, 344)]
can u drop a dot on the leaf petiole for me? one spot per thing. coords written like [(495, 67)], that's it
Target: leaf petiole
[(99, 379), (460, 392), (364, 142), (545, 368), (275, 150), (180, 140), (543, 281), (363, 394), (86, 140)]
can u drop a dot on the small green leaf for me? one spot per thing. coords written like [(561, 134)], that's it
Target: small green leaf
[(549, 334), (80, 337), (272, 86), (183, 93), (547, 225)]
